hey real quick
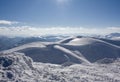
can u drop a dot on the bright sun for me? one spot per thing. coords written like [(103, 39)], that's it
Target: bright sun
[(62, 1)]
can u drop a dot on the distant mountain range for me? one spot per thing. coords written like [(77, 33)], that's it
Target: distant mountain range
[(72, 49), (11, 42), (8, 42), (60, 59), (113, 36)]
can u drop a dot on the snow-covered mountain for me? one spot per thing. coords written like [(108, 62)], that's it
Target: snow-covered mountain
[(11, 42), (73, 59), (73, 49), (114, 36)]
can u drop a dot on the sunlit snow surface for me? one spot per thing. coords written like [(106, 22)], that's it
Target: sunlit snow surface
[(17, 67), (73, 59)]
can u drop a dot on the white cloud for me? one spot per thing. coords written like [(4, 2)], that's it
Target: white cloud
[(5, 22), (38, 31)]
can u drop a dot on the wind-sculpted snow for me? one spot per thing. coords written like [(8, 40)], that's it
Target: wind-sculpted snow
[(13, 66), (16, 67)]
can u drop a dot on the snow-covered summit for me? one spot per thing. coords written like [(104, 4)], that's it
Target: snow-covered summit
[(70, 50)]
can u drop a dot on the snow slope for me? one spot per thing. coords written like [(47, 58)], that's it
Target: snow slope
[(44, 52), (93, 49), (75, 59), (16, 67), (70, 50), (111, 41)]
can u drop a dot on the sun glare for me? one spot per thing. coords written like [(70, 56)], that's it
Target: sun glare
[(62, 1)]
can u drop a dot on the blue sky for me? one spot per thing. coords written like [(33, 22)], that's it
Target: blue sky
[(86, 16), (85, 13)]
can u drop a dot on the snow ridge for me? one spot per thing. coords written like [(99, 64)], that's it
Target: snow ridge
[(83, 60)]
